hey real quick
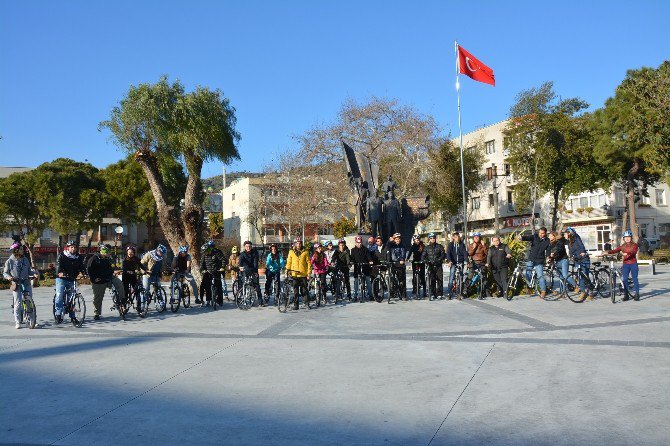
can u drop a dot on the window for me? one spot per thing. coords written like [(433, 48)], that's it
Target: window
[(490, 147), (508, 171), (645, 198), (619, 197), (233, 198), (660, 197), (103, 231), (603, 236), (475, 202), (491, 200), (602, 200), (510, 201), (583, 202), (664, 228)]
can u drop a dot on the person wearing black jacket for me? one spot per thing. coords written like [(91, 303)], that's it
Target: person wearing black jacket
[(68, 266), (248, 264), (457, 254), (101, 273), (415, 255), (559, 255), (362, 259), (396, 255), (497, 261), (342, 260), (213, 263), (129, 267), (434, 256), (539, 249)]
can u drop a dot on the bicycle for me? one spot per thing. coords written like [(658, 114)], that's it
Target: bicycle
[(287, 296), (614, 282), (224, 285), (555, 285), (27, 309), (316, 290), (155, 294), (385, 285), (360, 282), (73, 302), (593, 284), (275, 289), (183, 292), (117, 304), (474, 281), (417, 276), (456, 286), (245, 298), (337, 285)]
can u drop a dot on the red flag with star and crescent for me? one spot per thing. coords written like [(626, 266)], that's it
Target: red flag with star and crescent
[(474, 68)]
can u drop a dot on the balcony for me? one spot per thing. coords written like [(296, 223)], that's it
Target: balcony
[(268, 239), (587, 213)]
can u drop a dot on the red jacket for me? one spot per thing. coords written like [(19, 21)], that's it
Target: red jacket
[(320, 267), (629, 251)]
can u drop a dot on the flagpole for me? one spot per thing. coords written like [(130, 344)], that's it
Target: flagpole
[(460, 145)]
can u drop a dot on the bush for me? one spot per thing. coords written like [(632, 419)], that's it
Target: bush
[(344, 226)]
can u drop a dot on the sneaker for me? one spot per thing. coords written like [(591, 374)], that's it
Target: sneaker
[(59, 318), (17, 326), (589, 297), (75, 322), (296, 307), (207, 304), (198, 301), (543, 294), (96, 317)]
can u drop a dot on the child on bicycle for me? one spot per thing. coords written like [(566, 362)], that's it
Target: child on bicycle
[(17, 269), (273, 266)]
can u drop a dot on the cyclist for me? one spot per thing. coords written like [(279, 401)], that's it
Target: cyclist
[(248, 264), (396, 255), (497, 260), (629, 249), (477, 252), (181, 265), (539, 248), (581, 257), (129, 267), (101, 273), (273, 266), (559, 255), (17, 269), (212, 263), (362, 260), (68, 267), (299, 267), (319, 264), (233, 266), (457, 254), (434, 255), (329, 253), (342, 260), (153, 267), (415, 254)]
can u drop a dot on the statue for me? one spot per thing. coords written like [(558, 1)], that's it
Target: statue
[(374, 214), (392, 214), (386, 213)]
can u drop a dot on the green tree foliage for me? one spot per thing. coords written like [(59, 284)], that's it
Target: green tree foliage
[(129, 195), (632, 132), (344, 226), (158, 121), (443, 176), (215, 224), (19, 208), (549, 148), (70, 194)]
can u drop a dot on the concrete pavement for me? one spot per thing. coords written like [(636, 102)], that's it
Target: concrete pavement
[(418, 373)]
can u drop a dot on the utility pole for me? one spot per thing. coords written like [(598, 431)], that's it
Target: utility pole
[(496, 211)]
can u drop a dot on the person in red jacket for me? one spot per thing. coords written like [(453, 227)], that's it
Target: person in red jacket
[(629, 250), (319, 263)]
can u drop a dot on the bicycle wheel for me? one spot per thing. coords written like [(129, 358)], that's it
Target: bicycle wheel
[(29, 312), (236, 288), (571, 291), (175, 301), (394, 291), (160, 299), (283, 298), (511, 286), (79, 307), (118, 304), (53, 308), (379, 288), (244, 299), (612, 285), (555, 287), (602, 280), (186, 295)]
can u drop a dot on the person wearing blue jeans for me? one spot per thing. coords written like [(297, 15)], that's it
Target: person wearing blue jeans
[(68, 266), (457, 254), (559, 255), (629, 268), (581, 257), (539, 250)]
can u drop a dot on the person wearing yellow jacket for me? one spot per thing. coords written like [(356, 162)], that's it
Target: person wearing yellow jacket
[(299, 267)]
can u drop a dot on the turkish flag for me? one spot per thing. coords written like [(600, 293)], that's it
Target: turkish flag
[(473, 68)]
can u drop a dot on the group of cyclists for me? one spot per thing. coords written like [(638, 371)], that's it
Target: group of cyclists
[(324, 264)]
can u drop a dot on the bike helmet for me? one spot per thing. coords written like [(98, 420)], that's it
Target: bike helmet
[(342, 240), (416, 237), (70, 243), (131, 248), (183, 248), (358, 239), (297, 240), (105, 248), (431, 235), (397, 235), (234, 250), (317, 245), (329, 243), (210, 243), (15, 246), (204, 247), (628, 234), (162, 249), (477, 234)]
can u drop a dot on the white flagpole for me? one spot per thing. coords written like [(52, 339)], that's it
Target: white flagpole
[(460, 146)]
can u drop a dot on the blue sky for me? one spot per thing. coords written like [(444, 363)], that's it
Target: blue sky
[(288, 65)]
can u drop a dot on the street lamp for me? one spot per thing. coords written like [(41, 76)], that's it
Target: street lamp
[(119, 231)]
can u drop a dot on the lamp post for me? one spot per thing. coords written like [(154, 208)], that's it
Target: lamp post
[(119, 231)]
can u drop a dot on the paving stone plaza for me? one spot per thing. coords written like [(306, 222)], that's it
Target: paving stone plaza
[(409, 373)]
